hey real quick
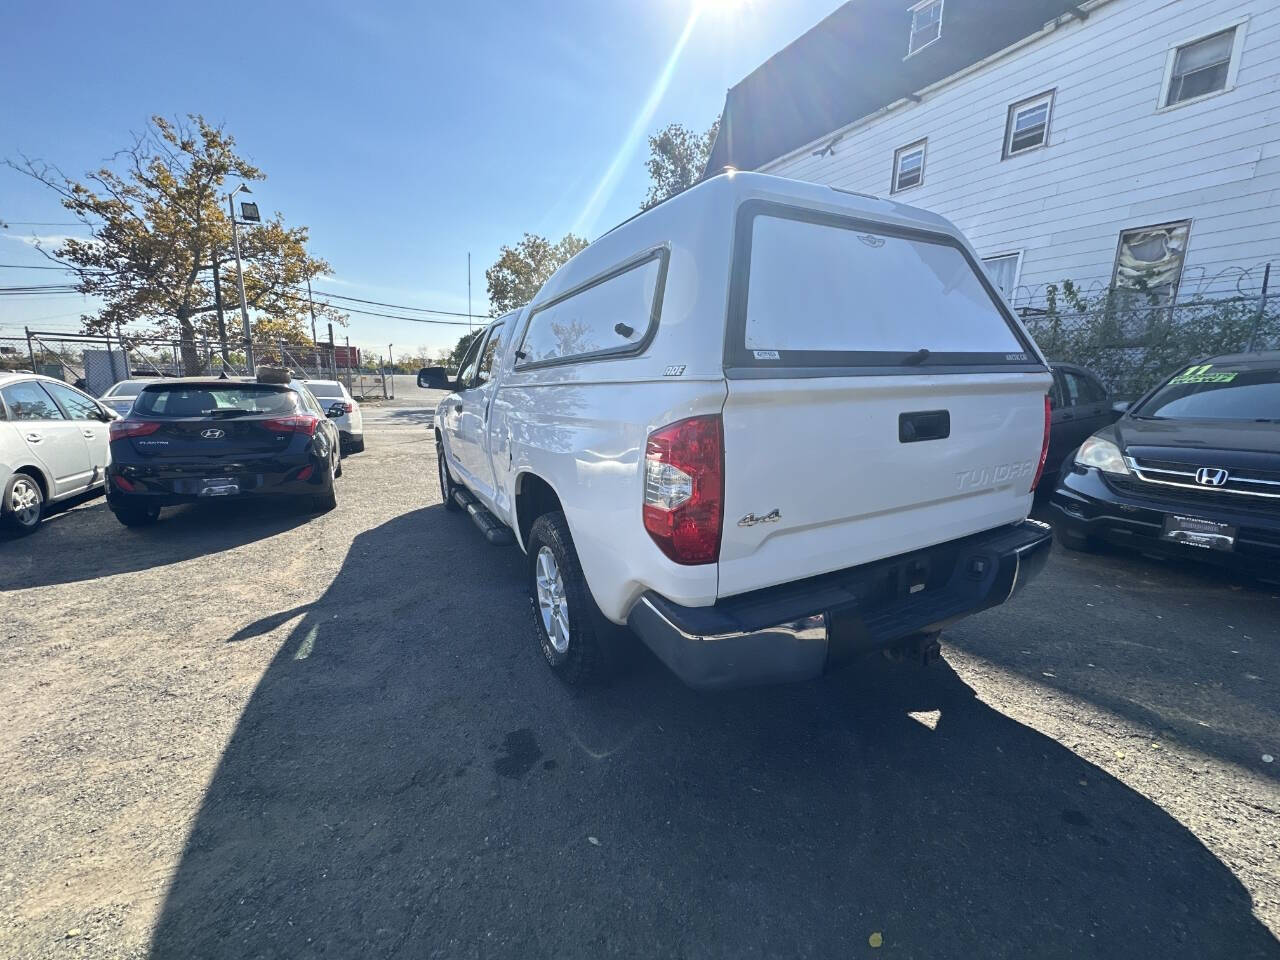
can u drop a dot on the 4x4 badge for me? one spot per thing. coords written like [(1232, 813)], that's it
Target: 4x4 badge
[(750, 520)]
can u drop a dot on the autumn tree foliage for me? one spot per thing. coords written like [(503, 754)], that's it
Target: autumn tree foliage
[(159, 226)]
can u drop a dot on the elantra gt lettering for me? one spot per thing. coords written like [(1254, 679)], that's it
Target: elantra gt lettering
[(993, 476)]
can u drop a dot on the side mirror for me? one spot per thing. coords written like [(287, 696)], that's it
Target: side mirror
[(1120, 407), (106, 414), (335, 411)]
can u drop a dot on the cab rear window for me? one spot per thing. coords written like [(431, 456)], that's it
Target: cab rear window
[(205, 400), (812, 289)]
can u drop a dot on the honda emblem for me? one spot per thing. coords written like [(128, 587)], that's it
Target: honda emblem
[(1211, 476)]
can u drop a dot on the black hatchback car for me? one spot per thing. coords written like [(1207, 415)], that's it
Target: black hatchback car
[(190, 440), (1191, 469)]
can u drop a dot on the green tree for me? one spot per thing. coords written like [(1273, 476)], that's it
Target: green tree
[(454, 358), (159, 227), (677, 158), (520, 271)]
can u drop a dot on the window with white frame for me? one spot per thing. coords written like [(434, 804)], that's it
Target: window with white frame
[(1028, 125), (1003, 269), (1149, 261), (1202, 67), (908, 166), (926, 25)]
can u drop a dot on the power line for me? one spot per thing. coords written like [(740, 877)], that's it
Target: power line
[(394, 306), (23, 266)]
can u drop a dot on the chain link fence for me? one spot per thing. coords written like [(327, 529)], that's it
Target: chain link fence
[(1132, 344), (95, 363)]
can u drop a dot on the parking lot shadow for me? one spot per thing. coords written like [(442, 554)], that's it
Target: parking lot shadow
[(409, 780), (87, 541)]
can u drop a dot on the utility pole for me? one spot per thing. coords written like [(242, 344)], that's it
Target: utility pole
[(222, 325), (311, 303), (391, 360), (469, 291), (333, 359), (244, 307)]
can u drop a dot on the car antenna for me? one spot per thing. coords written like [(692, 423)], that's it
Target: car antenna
[(914, 359)]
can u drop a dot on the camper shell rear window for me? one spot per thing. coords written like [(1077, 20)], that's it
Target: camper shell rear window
[(820, 294)]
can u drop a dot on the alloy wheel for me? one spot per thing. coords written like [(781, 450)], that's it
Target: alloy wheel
[(553, 604)]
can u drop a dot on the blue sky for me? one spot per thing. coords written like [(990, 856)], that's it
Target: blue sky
[(403, 135)]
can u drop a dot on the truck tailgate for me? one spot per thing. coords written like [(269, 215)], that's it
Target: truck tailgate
[(825, 473)]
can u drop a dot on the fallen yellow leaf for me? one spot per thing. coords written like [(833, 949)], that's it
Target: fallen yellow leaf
[(875, 939)]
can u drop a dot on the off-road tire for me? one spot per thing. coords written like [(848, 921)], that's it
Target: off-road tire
[(447, 486), (593, 653)]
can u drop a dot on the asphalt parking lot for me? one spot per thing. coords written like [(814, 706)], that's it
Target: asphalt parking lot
[(242, 733)]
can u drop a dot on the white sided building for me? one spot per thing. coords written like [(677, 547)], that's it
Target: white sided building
[(1097, 141)]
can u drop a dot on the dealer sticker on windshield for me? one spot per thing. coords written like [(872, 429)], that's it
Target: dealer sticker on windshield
[(1203, 373), (765, 354)]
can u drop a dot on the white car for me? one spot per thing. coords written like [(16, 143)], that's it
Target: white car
[(120, 396), (53, 445), (350, 424), (765, 424)]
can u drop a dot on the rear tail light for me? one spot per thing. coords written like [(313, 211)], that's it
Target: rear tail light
[(297, 423), (348, 407), (120, 429), (128, 486), (684, 489), (1044, 446)]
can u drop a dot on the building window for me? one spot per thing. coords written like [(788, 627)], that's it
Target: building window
[(908, 167), (1028, 125), (1149, 261), (1202, 67), (1003, 269), (926, 25)]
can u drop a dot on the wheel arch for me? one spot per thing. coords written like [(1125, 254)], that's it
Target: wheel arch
[(534, 496), (38, 475)]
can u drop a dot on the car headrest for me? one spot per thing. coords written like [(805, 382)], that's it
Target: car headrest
[(191, 404)]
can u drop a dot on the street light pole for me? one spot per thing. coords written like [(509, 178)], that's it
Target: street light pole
[(244, 307), (217, 302)]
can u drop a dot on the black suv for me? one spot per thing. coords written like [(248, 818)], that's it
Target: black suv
[(1191, 469), (189, 440)]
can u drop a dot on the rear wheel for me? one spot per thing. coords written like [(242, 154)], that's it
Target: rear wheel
[(578, 643), (23, 504), (324, 502), (447, 486), (136, 514)]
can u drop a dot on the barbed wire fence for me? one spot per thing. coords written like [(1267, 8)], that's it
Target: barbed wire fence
[(1132, 338), (94, 363)]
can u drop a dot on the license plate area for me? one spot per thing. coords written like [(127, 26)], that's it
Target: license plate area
[(219, 487), (1199, 533)]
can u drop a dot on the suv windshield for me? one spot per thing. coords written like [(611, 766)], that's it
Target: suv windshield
[(213, 400), (1208, 391)]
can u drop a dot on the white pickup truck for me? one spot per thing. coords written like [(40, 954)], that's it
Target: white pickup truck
[(767, 425)]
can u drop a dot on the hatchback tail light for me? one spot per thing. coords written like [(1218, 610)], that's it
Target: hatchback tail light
[(296, 423), (1044, 445), (120, 429), (684, 489)]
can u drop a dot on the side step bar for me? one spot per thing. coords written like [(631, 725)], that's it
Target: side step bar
[(494, 530)]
